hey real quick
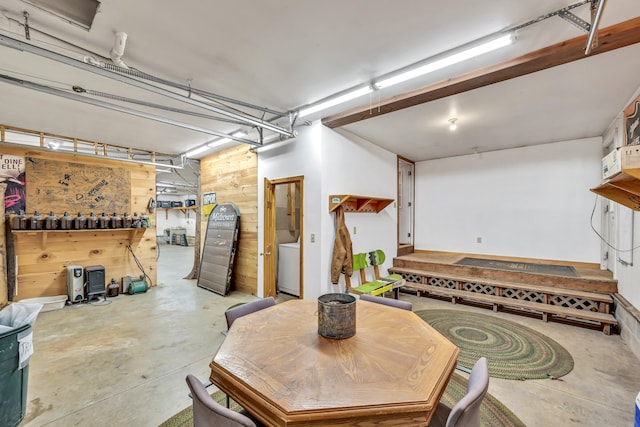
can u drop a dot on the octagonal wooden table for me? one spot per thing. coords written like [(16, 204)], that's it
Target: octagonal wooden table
[(392, 372)]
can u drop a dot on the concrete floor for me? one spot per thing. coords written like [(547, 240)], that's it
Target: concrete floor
[(124, 363)]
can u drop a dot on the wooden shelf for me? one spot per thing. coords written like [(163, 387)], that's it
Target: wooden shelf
[(134, 233), (351, 203), (624, 188), (183, 209)]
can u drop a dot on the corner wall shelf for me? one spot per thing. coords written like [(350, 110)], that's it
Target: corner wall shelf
[(624, 188), (351, 203)]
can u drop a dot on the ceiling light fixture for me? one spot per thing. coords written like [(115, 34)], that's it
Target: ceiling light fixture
[(53, 143), (335, 100), (215, 143), (219, 142), (446, 61), (453, 126), (196, 151)]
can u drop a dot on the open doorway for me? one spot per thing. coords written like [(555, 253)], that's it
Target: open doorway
[(406, 208), (283, 242)]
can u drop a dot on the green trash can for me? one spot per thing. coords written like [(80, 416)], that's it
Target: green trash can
[(13, 380)]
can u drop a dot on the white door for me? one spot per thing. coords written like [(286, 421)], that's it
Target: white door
[(608, 221), (608, 235), (405, 202)]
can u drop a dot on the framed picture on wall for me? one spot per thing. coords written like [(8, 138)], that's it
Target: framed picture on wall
[(12, 173), (632, 123), (208, 203)]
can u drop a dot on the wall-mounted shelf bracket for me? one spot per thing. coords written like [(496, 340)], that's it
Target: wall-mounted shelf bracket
[(351, 203)]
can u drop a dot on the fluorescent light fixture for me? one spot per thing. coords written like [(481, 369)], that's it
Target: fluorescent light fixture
[(215, 143), (335, 101), (446, 61), (159, 170), (53, 144), (219, 142), (196, 151), (162, 184)]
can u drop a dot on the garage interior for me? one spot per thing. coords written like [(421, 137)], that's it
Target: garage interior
[(113, 108)]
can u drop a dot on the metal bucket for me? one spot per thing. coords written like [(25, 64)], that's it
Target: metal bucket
[(336, 316)]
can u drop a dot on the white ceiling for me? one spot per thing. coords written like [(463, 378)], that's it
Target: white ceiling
[(284, 54)]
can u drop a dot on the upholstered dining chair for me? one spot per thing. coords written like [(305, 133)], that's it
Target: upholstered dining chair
[(242, 310), (466, 413), (207, 412), (405, 305)]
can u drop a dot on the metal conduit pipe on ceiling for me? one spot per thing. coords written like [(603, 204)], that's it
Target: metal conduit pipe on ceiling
[(91, 92), (106, 72), (141, 74), (115, 107)]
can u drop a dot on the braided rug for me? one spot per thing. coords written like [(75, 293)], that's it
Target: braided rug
[(513, 351)]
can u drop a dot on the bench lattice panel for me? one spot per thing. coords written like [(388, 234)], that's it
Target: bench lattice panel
[(412, 278), (478, 288), (523, 294), (573, 302), (443, 283)]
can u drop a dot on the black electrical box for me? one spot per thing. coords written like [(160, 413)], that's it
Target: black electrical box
[(176, 204)]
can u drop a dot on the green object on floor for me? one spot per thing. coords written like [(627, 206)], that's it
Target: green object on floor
[(514, 351), (13, 380), (492, 411)]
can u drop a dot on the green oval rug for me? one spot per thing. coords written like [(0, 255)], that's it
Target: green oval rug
[(512, 350), (492, 412)]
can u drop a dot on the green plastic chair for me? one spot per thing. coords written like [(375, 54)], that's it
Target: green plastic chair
[(377, 286)]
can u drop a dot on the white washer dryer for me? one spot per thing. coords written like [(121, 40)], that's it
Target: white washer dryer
[(289, 268)]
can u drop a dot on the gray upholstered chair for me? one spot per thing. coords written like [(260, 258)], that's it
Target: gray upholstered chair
[(207, 412), (466, 413), (242, 310), (405, 305)]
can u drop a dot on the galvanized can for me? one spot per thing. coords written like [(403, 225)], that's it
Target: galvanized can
[(92, 221), (336, 316), (80, 222), (66, 222)]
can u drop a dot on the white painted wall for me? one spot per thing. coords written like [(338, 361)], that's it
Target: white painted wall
[(355, 166), (299, 156), (175, 218), (331, 163), (527, 202), (627, 274)]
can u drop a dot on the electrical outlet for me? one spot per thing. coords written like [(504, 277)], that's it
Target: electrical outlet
[(478, 239), (313, 238)]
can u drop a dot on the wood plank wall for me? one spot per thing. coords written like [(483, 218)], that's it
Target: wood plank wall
[(41, 264), (233, 175)]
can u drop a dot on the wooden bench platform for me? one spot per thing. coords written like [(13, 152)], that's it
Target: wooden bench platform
[(592, 307)]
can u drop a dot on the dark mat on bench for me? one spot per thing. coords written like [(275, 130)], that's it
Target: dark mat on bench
[(526, 267)]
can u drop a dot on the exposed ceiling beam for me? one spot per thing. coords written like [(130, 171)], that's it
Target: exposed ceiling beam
[(614, 37)]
